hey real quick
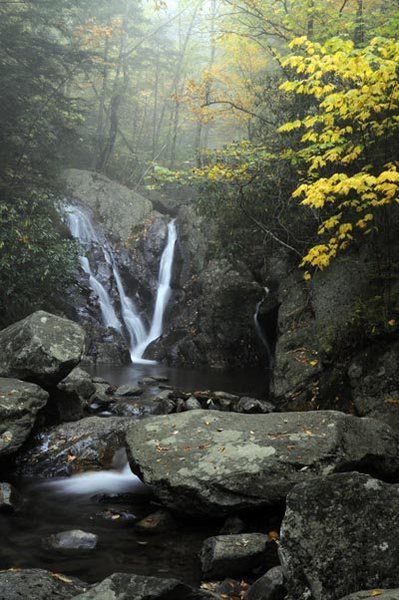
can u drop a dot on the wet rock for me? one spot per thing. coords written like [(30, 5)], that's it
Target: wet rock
[(128, 390), (254, 406), (62, 450), (71, 541), (157, 522), (37, 584), (20, 402), (122, 586), (193, 404), (69, 399), (233, 555), (42, 348), (165, 403), (218, 463), (269, 587), (9, 498), (381, 594), (116, 517), (340, 535)]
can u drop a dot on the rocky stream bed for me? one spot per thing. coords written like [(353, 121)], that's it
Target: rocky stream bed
[(223, 496)]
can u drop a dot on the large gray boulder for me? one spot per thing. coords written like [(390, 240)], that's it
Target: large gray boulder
[(123, 586), (233, 555), (42, 348), (117, 207), (217, 463), (86, 445), (20, 402), (37, 584), (340, 534)]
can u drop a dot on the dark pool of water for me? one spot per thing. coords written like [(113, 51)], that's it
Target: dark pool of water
[(252, 382), (121, 547)]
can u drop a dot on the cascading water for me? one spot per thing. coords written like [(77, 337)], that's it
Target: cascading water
[(163, 294), (82, 230), (259, 330), (139, 339)]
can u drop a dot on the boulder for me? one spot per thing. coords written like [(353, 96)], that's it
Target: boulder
[(233, 555), (42, 348), (8, 498), (123, 586), (62, 450), (71, 541), (219, 463), (340, 534), (128, 390), (269, 587), (20, 402), (254, 406), (37, 584), (69, 399)]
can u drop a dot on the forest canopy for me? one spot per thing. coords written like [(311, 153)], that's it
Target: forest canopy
[(281, 112)]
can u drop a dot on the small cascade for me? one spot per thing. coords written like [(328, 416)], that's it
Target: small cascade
[(259, 330), (163, 294), (82, 230), (139, 338)]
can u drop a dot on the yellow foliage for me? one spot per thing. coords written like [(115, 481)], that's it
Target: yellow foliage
[(355, 113)]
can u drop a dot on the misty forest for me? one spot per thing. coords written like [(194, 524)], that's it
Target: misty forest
[(199, 299)]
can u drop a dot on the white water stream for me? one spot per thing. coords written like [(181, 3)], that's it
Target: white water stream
[(83, 230), (259, 330)]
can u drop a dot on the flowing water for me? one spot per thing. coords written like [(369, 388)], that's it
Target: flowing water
[(83, 230)]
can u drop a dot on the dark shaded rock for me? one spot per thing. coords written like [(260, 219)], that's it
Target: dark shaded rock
[(374, 379), (211, 320), (37, 584), (9, 498), (42, 348), (233, 555), (122, 586), (218, 463), (71, 541), (229, 588), (269, 587), (157, 522), (339, 535), (20, 402), (62, 450), (128, 390), (232, 525), (254, 406), (69, 399)]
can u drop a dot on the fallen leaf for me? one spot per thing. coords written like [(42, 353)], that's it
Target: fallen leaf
[(61, 578)]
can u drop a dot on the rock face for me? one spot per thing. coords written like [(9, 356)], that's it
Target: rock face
[(122, 586), (233, 555), (8, 498), (117, 207), (212, 323), (42, 348), (60, 451), (19, 404), (269, 587), (37, 584), (70, 398), (217, 463), (340, 534)]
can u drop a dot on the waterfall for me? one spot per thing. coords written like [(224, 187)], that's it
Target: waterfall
[(163, 294), (82, 229), (139, 338), (259, 330)]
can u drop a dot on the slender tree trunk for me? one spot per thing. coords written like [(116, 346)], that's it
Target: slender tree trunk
[(100, 132), (359, 37), (310, 26)]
